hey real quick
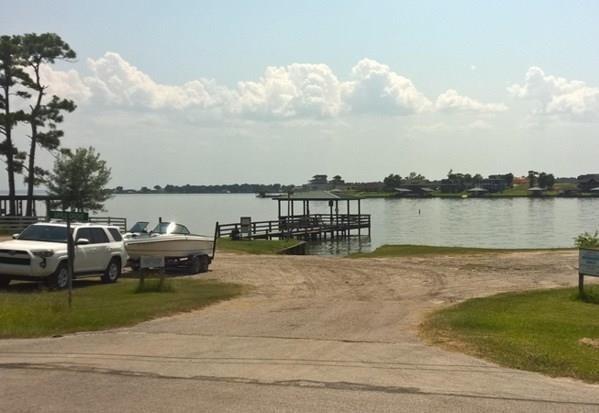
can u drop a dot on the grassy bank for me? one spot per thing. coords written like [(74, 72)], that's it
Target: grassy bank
[(548, 331), (98, 307), (255, 246), (406, 250)]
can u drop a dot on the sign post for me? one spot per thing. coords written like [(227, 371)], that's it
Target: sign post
[(68, 216), (147, 262), (246, 226), (71, 258), (588, 264)]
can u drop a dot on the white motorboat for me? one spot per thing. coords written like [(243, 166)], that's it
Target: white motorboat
[(167, 239)]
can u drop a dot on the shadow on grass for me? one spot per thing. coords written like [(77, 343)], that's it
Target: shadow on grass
[(25, 287), (155, 285), (591, 295)]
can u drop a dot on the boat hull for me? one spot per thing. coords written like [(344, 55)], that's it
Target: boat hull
[(169, 246)]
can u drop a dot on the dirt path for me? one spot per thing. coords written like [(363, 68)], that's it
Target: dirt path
[(314, 333)]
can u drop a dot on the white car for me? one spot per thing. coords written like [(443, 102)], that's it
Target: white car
[(39, 253)]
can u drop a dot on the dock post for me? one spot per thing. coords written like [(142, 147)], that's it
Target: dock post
[(359, 219), (348, 225)]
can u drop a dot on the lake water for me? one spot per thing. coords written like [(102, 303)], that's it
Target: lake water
[(493, 223)]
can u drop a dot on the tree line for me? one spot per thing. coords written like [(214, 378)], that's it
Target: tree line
[(208, 189), (25, 100), (466, 180)]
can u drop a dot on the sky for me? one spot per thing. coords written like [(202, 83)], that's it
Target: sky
[(213, 92)]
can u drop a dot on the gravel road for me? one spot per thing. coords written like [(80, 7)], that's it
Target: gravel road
[(312, 334)]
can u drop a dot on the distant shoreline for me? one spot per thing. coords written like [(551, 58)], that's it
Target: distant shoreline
[(384, 196)]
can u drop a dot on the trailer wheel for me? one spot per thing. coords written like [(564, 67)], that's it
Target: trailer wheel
[(196, 264), (4, 281), (205, 263)]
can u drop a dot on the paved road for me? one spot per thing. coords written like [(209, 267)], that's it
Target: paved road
[(313, 334)]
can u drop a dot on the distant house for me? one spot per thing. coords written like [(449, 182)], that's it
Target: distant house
[(585, 183), (493, 184), (413, 191), (367, 186), (451, 186)]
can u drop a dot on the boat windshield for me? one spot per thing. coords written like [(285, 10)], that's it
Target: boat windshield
[(170, 228), (140, 226), (47, 233)]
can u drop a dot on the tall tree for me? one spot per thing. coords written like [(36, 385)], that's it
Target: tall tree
[(337, 180), (79, 180), (10, 74), (38, 50), (392, 181), (546, 180), (509, 179), (532, 178), (415, 178)]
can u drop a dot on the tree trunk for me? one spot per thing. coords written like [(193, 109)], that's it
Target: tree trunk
[(33, 121), (9, 154), (31, 170)]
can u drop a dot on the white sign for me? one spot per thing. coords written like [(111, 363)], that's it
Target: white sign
[(151, 262), (588, 262), (246, 225)]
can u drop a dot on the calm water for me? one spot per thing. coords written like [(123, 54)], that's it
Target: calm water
[(504, 223)]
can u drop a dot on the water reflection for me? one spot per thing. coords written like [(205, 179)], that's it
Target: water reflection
[(343, 246), (492, 223)]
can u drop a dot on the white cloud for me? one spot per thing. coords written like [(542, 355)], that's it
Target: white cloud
[(452, 101), (376, 88), (296, 91), (118, 82), (558, 96), (310, 90), (66, 84), (479, 124)]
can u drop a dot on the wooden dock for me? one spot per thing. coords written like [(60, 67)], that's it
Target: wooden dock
[(307, 226)]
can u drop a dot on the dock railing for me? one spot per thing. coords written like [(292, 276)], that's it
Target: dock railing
[(300, 226)]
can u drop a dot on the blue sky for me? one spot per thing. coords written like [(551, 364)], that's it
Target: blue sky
[(479, 49)]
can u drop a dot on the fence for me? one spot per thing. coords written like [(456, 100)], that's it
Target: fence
[(14, 224)]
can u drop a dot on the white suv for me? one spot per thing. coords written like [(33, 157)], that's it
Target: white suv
[(39, 253)]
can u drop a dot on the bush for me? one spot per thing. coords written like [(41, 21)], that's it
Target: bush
[(587, 240)]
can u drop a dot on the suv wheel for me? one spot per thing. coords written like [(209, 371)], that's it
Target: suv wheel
[(4, 281), (113, 271), (60, 278)]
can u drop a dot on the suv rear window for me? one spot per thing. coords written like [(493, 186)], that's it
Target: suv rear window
[(48, 233), (115, 234), (99, 236)]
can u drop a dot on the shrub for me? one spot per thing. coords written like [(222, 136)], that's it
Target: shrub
[(587, 240)]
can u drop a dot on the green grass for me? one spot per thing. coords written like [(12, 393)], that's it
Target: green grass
[(407, 250), (97, 307), (538, 331), (255, 246)]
